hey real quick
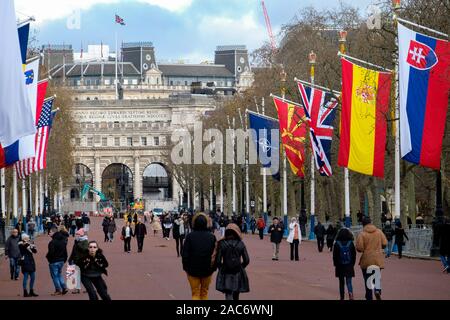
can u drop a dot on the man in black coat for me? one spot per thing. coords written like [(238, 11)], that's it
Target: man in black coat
[(276, 235), (444, 245), (320, 231), (140, 231), (12, 253), (57, 256)]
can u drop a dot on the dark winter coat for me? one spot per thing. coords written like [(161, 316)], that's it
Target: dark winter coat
[(80, 249), (388, 232), (400, 235), (276, 233), (93, 267), (176, 230), (20, 227), (27, 250), (57, 248), (12, 247), (105, 224), (232, 282), (140, 231), (112, 226), (331, 232), (198, 249), (340, 269), (86, 220), (319, 231)]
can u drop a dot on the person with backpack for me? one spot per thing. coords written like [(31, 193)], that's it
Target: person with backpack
[(276, 235), (260, 225), (331, 234), (400, 236), (231, 260), (389, 233), (344, 259), (27, 264), (197, 257), (320, 232), (294, 238)]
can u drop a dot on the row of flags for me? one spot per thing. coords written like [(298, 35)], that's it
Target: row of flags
[(424, 83), (22, 147)]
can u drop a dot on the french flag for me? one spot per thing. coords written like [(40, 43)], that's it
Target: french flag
[(424, 83)]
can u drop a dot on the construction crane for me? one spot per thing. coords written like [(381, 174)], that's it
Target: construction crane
[(104, 202), (269, 29)]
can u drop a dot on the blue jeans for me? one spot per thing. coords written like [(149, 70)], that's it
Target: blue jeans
[(56, 274), (14, 267), (25, 279), (388, 249), (348, 281), (445, 261)]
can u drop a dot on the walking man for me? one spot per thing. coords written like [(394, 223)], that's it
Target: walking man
[(140, 232), (57, 256), (319, 231), (389, 233), (12, 252), (276, 235)]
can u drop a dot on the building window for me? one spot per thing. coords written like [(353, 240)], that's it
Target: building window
[(185, 83), (156, 140), (107, 82), (104, 142), (117, 141), (144, 141), (171, 82), (129, 142), (90, 141), (116, 124), (134, 81), (78, 141)]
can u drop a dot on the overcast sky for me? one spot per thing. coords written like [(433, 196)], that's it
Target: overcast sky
[(179, 29)]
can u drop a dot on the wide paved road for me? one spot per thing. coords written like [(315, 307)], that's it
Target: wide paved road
[(157, 273)]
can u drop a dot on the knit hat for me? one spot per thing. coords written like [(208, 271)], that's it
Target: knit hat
[(80, 232)]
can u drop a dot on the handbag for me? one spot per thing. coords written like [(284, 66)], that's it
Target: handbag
[(21, 261), (122, 238)]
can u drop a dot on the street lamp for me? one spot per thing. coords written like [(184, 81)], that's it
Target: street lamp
[(342, 40), (396, 4)]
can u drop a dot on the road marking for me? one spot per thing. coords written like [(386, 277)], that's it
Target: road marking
[(149, 275), (172, 296)]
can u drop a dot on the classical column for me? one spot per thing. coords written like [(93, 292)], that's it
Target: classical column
[(137, 179), (98, 177)]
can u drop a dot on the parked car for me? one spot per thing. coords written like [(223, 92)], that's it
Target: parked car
[(158, 211)]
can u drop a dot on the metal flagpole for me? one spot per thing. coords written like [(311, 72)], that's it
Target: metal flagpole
[(234, 170), (342, 41), (312, 61), (15, 196), (221, 188), (264, 175), (397, 132), (285, 210), (30, 185), (247, 182), (116, 80), (210, 194), (3, 193), (24, 199), (36, 196), (41, 198)]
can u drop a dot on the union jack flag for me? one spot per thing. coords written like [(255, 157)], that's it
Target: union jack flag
[(320, 108), (119, 20), (28, 166)]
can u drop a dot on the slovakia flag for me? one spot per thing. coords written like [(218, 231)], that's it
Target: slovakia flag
[(424, 82)]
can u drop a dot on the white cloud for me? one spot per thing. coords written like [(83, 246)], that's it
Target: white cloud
[(226, 31), (171, 5), (47, 10)]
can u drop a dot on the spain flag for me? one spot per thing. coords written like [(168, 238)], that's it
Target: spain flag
[(365, 104), (293, 133)]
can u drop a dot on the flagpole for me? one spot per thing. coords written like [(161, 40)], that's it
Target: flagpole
[(397, 131), (116, 80), (340, 54), (3, 193), (210, 194), (264, 175), (30, 186), (36, 197), (342, 41), (285, 213), (24, 199), (313, 85), (41, 198), (312, 62), (82, 67), (396, 18), (234, 170), (247, 191), (15, 196), (221, 188)]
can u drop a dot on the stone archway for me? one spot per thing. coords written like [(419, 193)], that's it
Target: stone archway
[(157, 182), (82, 175), (117, 185)]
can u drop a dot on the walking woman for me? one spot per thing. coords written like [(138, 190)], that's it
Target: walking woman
[(400, 236), (344, 258), (127, 233), (92, 266), (178, 233), (197, 256), (27, 264), (156, 224), (111, 228), (232, 259), (294, 238)]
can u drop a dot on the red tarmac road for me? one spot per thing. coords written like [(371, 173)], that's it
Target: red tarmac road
[(156, 273)]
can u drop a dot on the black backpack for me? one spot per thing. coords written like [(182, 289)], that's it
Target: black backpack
[(232, 258)]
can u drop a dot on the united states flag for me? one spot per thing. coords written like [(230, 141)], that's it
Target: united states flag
[(321, 110), (28, 166)]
